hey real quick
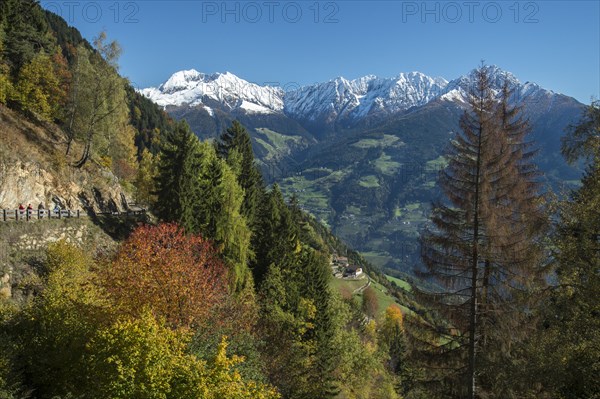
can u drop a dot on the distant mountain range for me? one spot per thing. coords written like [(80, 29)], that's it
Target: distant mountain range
[(362, 155), (338, 102)]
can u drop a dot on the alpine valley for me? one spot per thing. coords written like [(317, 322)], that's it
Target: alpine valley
[(362, 155)]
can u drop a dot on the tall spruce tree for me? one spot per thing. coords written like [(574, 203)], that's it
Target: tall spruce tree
[(220, 212), (317, 275), (276, 240), (235, 146), (483, 248), (299, 324), (177, 189)]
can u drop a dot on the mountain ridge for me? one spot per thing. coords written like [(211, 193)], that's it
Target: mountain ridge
[(338, 100)]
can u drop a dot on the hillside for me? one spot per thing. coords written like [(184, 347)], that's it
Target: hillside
[(34, 170), (373, 186)]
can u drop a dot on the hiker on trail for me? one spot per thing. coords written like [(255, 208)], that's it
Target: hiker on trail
[(29, 210), (41, 210), (21, 209)]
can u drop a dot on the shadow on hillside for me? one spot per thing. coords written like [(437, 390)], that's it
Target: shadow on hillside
[(119, 226)]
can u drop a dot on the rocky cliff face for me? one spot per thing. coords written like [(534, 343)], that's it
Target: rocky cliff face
[(34, 170), (23, 182)]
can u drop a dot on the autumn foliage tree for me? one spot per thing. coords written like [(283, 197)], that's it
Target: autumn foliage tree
[(38, 87), (50, 335), (370, 302), (143, 358), (393, 340), (177, 276)]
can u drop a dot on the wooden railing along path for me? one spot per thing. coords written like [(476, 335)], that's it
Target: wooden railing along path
[(46, 214)]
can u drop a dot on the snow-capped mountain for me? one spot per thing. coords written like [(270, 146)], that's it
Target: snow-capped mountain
[(192, 88), (338, 102), (527, 92), (341, 99)]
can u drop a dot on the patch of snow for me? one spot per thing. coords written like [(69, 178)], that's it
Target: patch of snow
[(252, 108), (455, 95)]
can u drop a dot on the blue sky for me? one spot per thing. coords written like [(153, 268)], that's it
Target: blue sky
[(553, 43)]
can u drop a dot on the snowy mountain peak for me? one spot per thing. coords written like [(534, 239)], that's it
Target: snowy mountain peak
[(458, 89), (181, 80), (194, 88)]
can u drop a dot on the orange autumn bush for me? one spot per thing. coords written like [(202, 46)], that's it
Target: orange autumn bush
[(176, 276)]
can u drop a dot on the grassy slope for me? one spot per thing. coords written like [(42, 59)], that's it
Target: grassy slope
[(384, 299), (400, 283)]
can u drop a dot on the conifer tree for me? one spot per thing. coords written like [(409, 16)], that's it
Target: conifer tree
[(26, 33), (199, 191), (317, 275), (176, 184), (484, 247), (299, 324), (277, 236), (237, 140), (220, 212)]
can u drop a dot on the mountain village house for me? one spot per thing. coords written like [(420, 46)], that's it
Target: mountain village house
[(341, 267), (353, 271)]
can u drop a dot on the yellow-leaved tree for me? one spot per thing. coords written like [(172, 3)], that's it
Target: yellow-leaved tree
[(144, 358), (52, 332), (38, 89)]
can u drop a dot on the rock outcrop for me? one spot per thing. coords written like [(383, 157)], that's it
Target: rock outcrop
[(34, 169), (25, 182)]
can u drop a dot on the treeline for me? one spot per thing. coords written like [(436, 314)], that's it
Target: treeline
[(514, 312)]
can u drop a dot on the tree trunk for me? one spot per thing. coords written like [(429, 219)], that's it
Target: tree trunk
[(474, 275)]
